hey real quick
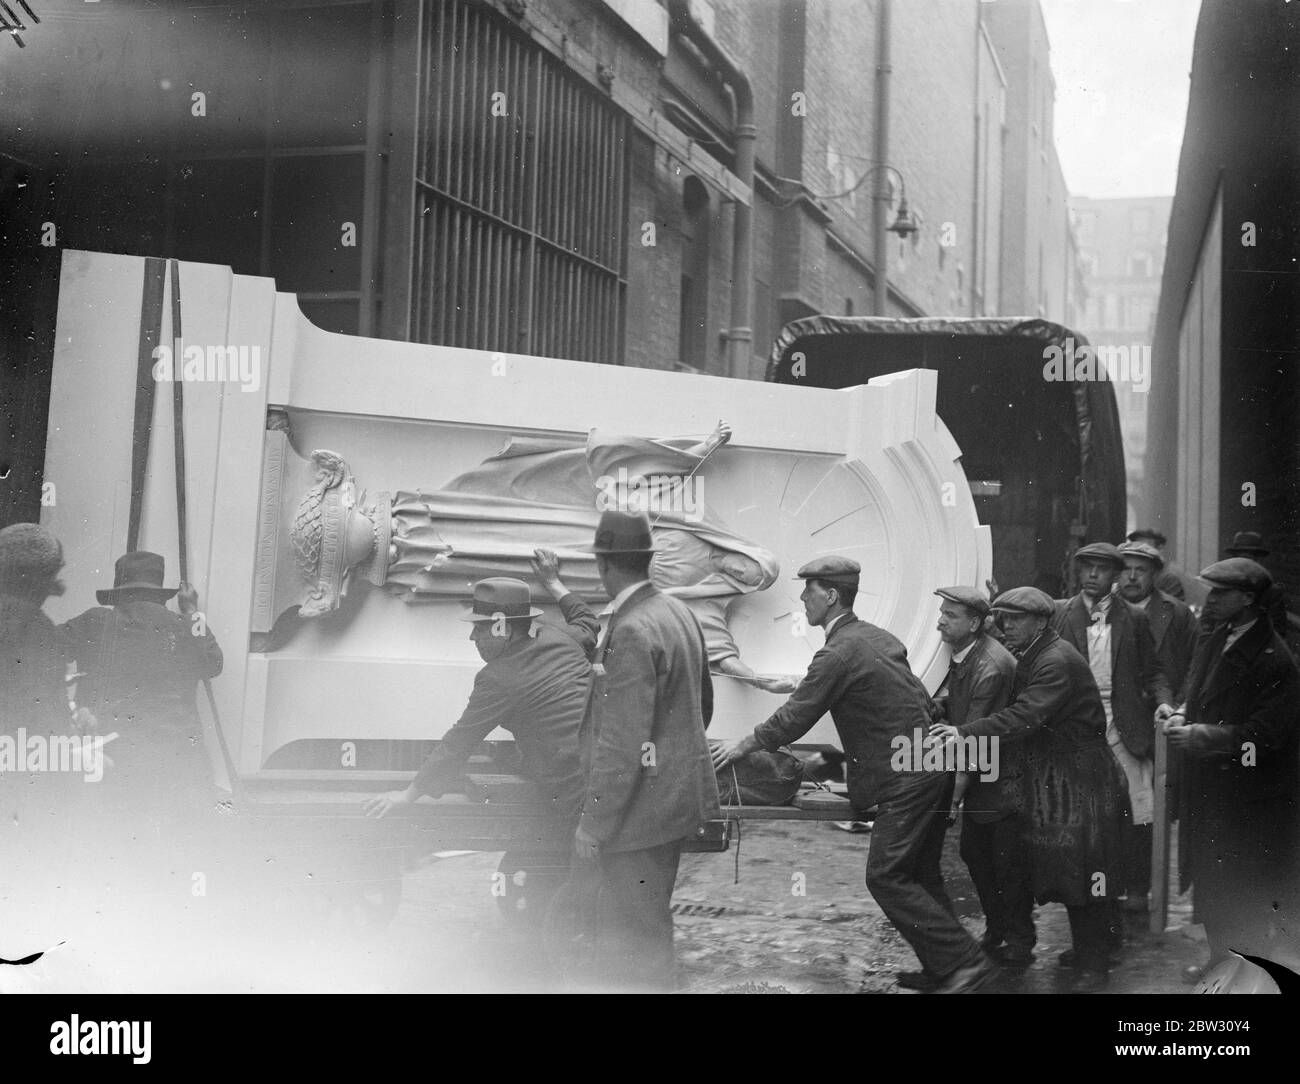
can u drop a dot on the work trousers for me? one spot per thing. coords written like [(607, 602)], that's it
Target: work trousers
[(1091, 928), (997, 855), (904, 877), (634, 947), (1136, 840)]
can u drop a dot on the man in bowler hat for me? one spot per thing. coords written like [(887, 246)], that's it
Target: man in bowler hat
[(650, 784), (533, 684), (140, 667), (862, 678)]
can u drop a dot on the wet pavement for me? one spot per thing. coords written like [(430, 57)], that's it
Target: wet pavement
[(799, 920)]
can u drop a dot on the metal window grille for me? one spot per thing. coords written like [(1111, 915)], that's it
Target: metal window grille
[(521, 196)]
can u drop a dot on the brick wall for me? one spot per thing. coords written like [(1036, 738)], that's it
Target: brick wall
[(829, 49)]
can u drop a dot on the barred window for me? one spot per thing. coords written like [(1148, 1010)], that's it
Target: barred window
[(521, 196)]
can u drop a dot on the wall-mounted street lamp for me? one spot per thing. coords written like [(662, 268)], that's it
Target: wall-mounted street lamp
[(904, 224)]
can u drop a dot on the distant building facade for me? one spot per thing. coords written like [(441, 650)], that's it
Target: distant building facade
[(1040, 259), (1122, 253)]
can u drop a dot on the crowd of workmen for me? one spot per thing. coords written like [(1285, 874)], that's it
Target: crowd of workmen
[(609, 715)]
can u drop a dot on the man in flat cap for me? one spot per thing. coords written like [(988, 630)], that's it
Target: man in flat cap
[(862, 678), (1173, 625), (533, 684), (1239, 731), (979, 681), (1072, 793), (650, 785), (1168, 579), (1250, 544), (1116, 639)]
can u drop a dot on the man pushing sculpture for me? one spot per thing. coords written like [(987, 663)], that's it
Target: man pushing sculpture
[(538, 492)]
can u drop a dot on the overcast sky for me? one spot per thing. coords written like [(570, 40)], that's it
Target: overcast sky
[(1121, 92)]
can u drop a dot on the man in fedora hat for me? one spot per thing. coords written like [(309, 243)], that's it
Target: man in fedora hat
[(140, 667), (1115, 637), (861, 677), (1239, 733), (1250, 544), (650, 785), (533, 684), (1072, 792)]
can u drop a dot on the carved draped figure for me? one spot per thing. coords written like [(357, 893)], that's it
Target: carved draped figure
[(541, 492)]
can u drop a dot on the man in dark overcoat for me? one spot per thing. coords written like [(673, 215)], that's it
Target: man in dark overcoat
[(1173, 625), (141, 664), (1239, 731), (1250, 544), (1115, 638), (1073, 792), (979, 681)]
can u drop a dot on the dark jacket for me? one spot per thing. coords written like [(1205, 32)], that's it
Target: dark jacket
[(1275, 608), (1175, 631), (33, 665), (141, 664), (650, 778), (862, 678), (537, 689), (1137, 684), (977, 687), (1170, 583), (1245, 706), (1072, 793)]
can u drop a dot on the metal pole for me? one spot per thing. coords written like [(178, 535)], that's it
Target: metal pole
[(883, 70), (178, 419)]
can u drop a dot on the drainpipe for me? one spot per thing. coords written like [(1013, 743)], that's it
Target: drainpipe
[(883, 70), (975, 173), (740, 334)]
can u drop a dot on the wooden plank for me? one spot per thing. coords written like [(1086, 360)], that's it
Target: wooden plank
[(788, 813), (1159, 914)]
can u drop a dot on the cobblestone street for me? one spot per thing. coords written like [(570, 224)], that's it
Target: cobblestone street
[(757, 936)]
